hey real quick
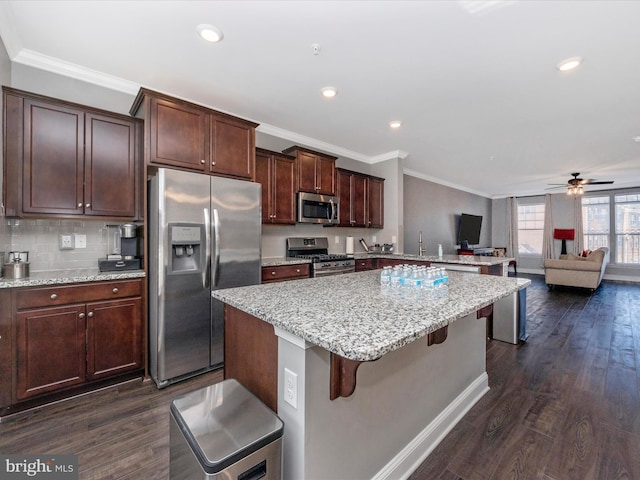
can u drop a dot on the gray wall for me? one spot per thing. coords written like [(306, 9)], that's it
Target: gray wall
[(434, 209)]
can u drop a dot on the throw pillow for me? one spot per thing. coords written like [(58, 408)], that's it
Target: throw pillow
[(585, 253)]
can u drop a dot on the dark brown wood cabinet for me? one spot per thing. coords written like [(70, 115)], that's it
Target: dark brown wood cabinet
[(352, 194), (70, 336), (364, 264), (315, 171), (281, 273), (275, 172), (66, 160), (375, 202), (6, 350), (190, 136)]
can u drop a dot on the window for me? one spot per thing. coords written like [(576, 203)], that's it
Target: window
[(595, 222), (627, 228), (530, 229)]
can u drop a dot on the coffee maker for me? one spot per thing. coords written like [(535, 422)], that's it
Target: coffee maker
[(124, 248)]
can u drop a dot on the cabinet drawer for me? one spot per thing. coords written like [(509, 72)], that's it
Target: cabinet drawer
[(52, 296), (285, 272), (366, 264)]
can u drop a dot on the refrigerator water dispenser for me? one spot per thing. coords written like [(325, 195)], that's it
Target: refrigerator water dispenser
[(186, 241)]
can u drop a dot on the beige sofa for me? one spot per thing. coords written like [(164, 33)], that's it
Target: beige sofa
[(574, 271)]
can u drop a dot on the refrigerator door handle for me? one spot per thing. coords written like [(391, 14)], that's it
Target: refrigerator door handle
[(216, 248), (206, 271)]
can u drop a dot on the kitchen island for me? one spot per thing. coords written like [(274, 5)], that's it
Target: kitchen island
[(375, 378)]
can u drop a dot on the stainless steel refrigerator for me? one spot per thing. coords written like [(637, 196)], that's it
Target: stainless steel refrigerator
[(204, 234)]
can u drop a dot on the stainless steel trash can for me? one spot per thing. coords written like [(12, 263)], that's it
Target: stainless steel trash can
[(510, 318), (224, 432)]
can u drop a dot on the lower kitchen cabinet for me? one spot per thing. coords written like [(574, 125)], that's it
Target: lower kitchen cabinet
[(70, 336), (281, 273), (362, 265)]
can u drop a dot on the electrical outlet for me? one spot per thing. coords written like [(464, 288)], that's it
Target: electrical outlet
[(79, 240), (65, 241), (291, 388), (337, 239), (393, 239), (374, 239)]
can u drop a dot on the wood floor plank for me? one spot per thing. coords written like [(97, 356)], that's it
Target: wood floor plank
[(525, 457), (618, 455)]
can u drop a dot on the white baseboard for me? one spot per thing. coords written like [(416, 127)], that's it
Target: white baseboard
[(410, 457)]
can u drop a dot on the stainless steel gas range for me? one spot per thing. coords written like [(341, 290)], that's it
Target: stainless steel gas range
[(323, 263)]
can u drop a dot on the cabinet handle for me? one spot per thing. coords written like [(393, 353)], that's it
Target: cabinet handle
[(88, 205), (79, 205), (273, 273), (213, 164), (53, 296), (297, 270), (115, 290), (81, 315), (202, 162), (90, 314)]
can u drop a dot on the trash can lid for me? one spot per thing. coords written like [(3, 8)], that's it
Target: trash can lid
[(224, 423)]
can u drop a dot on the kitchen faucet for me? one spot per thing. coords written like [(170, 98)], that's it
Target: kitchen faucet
[(420, 247)]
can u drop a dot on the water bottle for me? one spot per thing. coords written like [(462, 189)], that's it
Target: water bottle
[(396, 273), (385, 276), (445, 278)]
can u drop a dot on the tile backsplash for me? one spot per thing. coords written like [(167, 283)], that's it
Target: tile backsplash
[(41, 239)]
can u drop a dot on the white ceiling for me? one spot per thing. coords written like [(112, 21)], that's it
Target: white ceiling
[(474, 82)]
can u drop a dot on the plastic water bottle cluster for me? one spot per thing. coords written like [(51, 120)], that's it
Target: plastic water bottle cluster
[(428, 281)]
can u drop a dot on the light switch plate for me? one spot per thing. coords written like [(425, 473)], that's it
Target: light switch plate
[(79, 240), (65, 241)]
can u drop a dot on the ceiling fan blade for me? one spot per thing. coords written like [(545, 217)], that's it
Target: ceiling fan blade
[(561, 184), (555, 188), (593, 182)]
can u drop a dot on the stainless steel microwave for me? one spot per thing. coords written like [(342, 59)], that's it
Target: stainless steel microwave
[(314, 208)]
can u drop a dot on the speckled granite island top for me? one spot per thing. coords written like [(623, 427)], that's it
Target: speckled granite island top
[(483, 260), (61, 277), (352, 316)]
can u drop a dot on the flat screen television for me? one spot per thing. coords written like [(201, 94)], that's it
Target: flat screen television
[(469, 229)]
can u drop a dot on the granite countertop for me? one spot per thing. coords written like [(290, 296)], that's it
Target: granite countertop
[(60, 277), (485, 260), (459, 259), (363, 321)]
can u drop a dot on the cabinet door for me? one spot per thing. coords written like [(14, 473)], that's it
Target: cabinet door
[(375, 203), (114, 337), (263, 177), (306, 172), (343, 185), (177, 135), (284, 193), (6, 355), (110, 157), (359, 200), (325, 175), (232, 148), (53, 166), (50, 350)]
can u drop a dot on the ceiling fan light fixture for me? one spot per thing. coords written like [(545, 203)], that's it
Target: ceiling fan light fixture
[(329, 92), (569, 64), (210, 33)]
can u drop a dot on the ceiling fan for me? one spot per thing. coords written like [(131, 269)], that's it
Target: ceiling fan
[(574, 185)]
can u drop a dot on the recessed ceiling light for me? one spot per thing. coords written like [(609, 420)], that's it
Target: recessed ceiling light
[(395, 124), (210, 33), (329, 92), (569, 64), (636, 139)]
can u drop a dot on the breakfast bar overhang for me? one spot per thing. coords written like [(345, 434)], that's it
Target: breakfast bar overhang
[(367, 379)]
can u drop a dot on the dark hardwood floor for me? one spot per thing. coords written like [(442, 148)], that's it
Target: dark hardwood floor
[(563, 406)]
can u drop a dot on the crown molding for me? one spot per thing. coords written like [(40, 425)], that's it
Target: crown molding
[(78, 72), (393, 155), (439, 181)]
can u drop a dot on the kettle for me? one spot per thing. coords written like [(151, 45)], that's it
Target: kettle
[(17, 266)]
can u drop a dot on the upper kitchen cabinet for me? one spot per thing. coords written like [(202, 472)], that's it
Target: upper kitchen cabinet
[(375, 202), (66, 160), (275, 172), (315, 171), (352, 193), (185, 135)]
